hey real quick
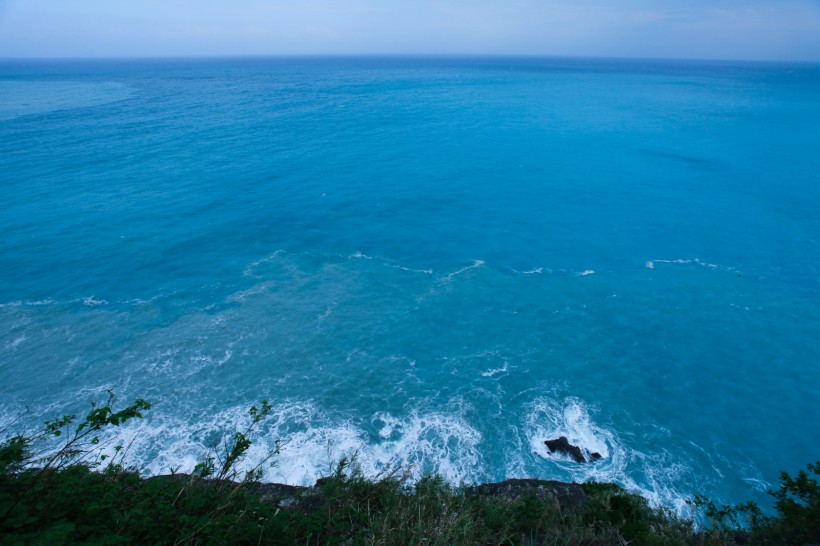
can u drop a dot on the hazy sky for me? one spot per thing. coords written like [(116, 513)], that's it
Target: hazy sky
[(722, 29)]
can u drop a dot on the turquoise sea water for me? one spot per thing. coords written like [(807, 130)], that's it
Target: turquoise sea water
[(436, 262)]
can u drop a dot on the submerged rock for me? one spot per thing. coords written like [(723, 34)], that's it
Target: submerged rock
[(562, 446)]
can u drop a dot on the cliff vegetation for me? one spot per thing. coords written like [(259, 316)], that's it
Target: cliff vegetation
[(84, 492)]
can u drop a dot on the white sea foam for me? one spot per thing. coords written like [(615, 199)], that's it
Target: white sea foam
[(758, 484), (401, 359), (91, 301), (548, 419), (533, 271), (496, 371), (28, 303), (242, 295), (475, 264), (695, 261), (15, 342), (225, 358), (178, 363), (428, 442), (311, 440), (411, 270), (250, 270), (329, 311), (585, 273), (311, 443)]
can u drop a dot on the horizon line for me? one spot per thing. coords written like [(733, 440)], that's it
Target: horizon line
[(259, 56)]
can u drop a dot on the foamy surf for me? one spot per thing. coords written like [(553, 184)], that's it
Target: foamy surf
[(650, 264), (310, 443), (549, 419), (495, 371), (360, 256), (476, 264)]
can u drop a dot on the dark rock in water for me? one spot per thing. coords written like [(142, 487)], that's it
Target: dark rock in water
[(562, 445), (566, 495)]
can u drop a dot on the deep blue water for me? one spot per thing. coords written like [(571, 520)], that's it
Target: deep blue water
[(436, 262)]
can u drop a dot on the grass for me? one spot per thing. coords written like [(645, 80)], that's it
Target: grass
[(75, 495)]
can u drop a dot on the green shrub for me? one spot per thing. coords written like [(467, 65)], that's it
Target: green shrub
[(74, 494), (796, 519)]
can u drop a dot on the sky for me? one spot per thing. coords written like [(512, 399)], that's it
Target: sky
[(694, 29)]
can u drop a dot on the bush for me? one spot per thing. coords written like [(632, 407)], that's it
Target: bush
[(796, 521), (76, 494)]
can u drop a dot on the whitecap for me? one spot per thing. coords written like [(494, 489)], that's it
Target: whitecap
[(681, 261), (495, 371), (327, 312), (475, 264), (91, 301), (28, 303), (310, 442), (547, 419), (585, 273), (242, 295), (17, 341), (411, 270)]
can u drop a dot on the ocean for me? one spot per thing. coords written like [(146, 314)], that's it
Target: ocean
[(426, 263)]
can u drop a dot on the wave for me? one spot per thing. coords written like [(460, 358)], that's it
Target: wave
[(650, 264), (476, 264), (15, 342), (242, 295), (496, 371), (26, 98), (251, 269), (533, 271), (28, 303), (91, 301), (87, 301), (549, 418), (309, 443), (411, 270), (360, 256), (327, 312)]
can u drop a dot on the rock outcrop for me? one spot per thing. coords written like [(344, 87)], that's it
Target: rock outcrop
[(562, 446), (569, 496)]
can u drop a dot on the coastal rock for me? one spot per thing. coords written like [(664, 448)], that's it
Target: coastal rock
[(562, 446), (566, 495), (286, 496)]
